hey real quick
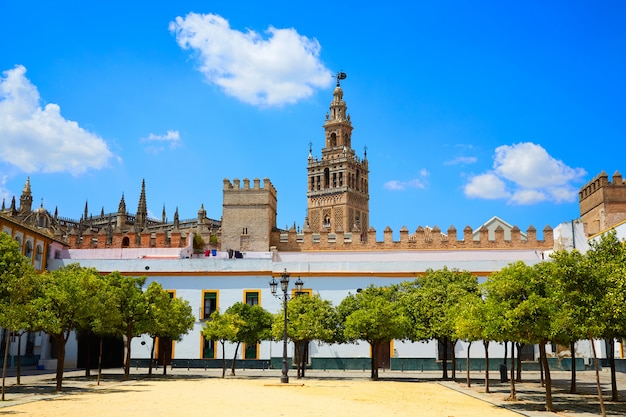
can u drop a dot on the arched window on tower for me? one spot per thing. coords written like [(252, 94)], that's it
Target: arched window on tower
[(326, 178), (125, 242), (333, 139), (357, 180)]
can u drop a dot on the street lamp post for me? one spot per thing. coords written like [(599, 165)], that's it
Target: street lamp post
[(284, 285)]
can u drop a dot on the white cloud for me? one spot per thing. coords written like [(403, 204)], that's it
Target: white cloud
[(525, 173), (530, 166), (461, 160), (487, 186), (528, 197), (395, 185), (37, 139), (156, 141), (282, 68), (4, 193)]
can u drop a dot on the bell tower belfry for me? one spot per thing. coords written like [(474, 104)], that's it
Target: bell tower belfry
[(338, 197)]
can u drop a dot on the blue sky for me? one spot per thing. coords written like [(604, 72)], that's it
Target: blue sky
[(467, 109)]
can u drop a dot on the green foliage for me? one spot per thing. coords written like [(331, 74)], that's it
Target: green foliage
[(65, 303), (522, 297), (308, 318), (432, 301), (198, 242), (257, 323), (472, 320), (222, 327), (374, 315), (66, 300), (133, 307), (578, 293), (607, 258), (18, 285), (167, 317)]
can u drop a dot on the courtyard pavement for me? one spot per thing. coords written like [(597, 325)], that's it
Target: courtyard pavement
[(39, 385)]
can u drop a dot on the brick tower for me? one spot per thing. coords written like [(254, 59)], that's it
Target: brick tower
[(602, 202), (248, 215), (338, 197)]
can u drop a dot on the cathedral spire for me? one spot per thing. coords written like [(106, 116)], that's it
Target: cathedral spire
[(26, 189), (121, 215), (26, 200), (142, 208), (176, 220), (121, 208)]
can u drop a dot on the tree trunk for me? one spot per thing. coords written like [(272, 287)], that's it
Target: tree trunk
[(223, 358), (232, 366), (445, 359), (506, 352), (19, 359), (167, 348), (100, 359), (305, 355), (595, 363), (467, 365), (127, 358), (297, 347), (512, 394), (301, 354), (61, 340), (486, 345), (518, 377), (151, 355), (548, 379), (7, 345), (453, 354), (543, 382), (572, 349), (374, 375), (614, 394)]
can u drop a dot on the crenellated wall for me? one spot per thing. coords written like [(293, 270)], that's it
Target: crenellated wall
[(602, 202), (422, 239)]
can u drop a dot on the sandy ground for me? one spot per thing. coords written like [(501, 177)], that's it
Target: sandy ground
[(260, 396)]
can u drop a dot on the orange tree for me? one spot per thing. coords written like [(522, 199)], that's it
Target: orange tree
[(374, 315)]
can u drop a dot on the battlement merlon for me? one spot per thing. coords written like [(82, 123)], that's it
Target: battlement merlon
[(600, 182), (236, 185)]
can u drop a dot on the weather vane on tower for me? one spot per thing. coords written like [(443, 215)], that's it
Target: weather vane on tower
[(341, 76)]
